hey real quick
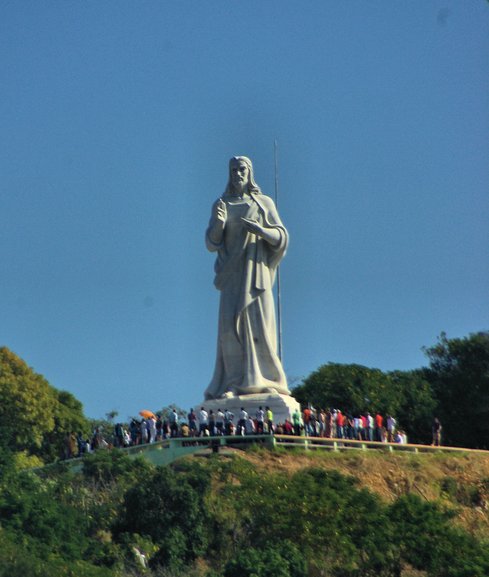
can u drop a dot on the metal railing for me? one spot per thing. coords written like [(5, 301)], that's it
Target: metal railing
[(311, 443), (169, 450), (164, 452)]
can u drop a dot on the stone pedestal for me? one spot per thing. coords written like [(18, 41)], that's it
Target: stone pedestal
[(283, 406)]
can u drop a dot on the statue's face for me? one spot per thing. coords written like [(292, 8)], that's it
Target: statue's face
[(240, 174)]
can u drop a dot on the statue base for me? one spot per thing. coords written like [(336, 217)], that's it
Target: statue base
[(282, 406)]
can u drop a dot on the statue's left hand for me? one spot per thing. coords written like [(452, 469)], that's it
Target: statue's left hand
[(253, 226), (271, 235)]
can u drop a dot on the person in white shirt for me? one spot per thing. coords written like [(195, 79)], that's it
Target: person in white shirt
[(249, 426), (243, 417), (152, 429), (203, 422), (391, 428), (228, 422), (174, 423), (220, 417), (370, 427), (400, 438), (357, 428), (260, 419), (144, 431)]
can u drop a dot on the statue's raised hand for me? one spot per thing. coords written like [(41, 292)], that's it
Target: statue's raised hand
[(219, 217), (220, 212)]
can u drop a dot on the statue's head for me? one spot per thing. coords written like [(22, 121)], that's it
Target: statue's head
[(241, 167)]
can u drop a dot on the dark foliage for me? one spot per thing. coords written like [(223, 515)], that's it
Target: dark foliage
[(427, 540), (356, 389), (459, 375), (169, 508)]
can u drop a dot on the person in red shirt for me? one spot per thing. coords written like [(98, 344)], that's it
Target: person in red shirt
[(340, 424), (307, 420), (379, 424), (364, 427), (288, 428)]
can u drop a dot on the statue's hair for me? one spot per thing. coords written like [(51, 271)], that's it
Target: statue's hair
[(252, 186)]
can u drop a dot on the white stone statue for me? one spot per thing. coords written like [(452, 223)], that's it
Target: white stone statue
[(250, 240)]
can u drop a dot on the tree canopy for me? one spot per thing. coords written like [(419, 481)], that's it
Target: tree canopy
[(356, 389), (455, 387), (34, 416), (459, 377)]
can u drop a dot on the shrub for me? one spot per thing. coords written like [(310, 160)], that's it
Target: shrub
[(169, 508), (280, 561), (427, 541)]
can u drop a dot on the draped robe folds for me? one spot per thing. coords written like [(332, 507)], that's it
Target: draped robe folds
[(246, 265)]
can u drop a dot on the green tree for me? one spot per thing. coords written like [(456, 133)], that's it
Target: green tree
[(63, 519), (416, 404), (30, 509), (284, 560), (169, 507), (106, 467), (111, 415), (459, 375), (34, 416), (354, 388), (166, 411), (20, 560), (406, 395), (27, 404), (332, 523), (427, 540), (68, 418)]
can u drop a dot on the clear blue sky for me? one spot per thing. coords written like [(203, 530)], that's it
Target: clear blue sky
[(118, 119)]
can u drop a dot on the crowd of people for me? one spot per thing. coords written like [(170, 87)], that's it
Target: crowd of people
[(311, 422), (336, 424)]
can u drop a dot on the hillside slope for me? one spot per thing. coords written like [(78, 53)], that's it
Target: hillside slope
[(460, 481)]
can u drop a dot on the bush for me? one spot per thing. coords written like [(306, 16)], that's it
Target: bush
[(427, 541), (281, 561), (30, 508), (21, 560), (169, 508), (332, 522)]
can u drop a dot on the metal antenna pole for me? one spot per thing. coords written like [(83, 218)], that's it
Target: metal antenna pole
[(279, 302)]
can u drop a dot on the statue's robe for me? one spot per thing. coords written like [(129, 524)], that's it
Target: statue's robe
[(246, 265)]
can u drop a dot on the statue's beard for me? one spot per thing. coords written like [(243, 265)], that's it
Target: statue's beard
[(240, 187)]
